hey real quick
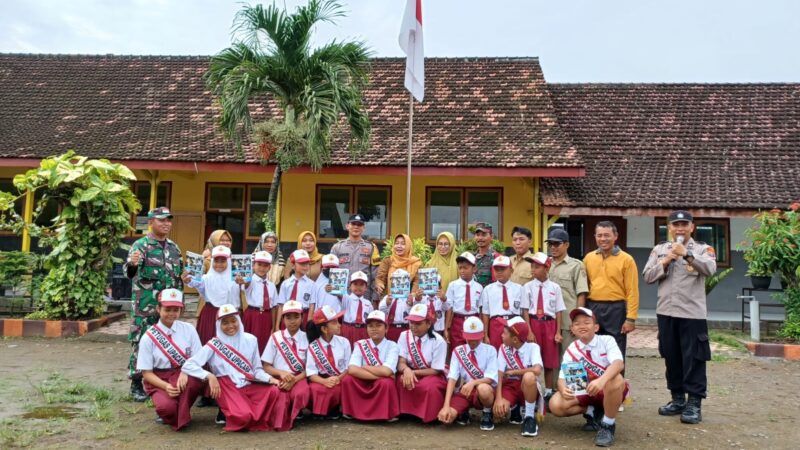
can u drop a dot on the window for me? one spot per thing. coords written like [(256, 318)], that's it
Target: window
[(454, 209), (46, 215), (714, 232), (238, 208), (6, 185), (574, 228), (141, 189), (336, 203)]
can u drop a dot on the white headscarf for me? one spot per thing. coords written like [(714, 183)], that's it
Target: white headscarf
[(219, 287), (247, 345), (234, 341)]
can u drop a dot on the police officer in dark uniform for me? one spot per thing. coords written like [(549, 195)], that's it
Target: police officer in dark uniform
[(680, 267)]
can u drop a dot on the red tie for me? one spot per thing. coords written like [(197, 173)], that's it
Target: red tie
[(540, 304), (467, 301), (266, 297), (329, 353), (294, 345), (473, 358), (360, 312), (505, 298), (392, 310), (294, 290)]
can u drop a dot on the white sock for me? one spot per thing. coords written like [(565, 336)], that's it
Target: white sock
[(487, 410), (530, 409), (548, 391), (608, 421), (590, 410)]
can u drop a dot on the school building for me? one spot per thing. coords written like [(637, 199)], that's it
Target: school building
[(493, 141)]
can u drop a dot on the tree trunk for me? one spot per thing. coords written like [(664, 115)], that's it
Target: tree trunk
[(269, 217)]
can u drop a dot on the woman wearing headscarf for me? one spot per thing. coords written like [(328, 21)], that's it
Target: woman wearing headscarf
[(269, 243), (401, 259), (444, 259), (307, 241)]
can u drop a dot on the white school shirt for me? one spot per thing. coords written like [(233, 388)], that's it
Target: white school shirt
[(529, 353), (305, 290), (350, 307), (492, 299), (387, 351), (603, 351), (275, 357), (185, 337), (325, 298), (400, 311), (255, 293), (456, 296), (439, 307), (232, 297), (341, 355), (220, 367), (486, 356), (552, 299), (434, 349)]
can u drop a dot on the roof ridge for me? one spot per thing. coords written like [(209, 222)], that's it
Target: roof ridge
[(676, 84), (195, 57)]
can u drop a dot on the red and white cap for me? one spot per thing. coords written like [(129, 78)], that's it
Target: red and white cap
[(330, 260), (292, 306), (501, 261), (300, 257), (326, 314), (220, 251), (468, 257), (418, 313), (359, 276), (518, 326), (473, 329), (262, 257), (580, 311), (377, 315), (226, 310), (170, 297), (539, 258)]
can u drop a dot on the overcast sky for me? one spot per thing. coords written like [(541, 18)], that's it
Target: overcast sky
[(589, 40)]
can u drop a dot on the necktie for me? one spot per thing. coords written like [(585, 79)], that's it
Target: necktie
[(294, 344), (505, 298), (540, 304), (473, 358), (467, 301), (392, 310), (329, 354), (265, 305), (360, 312), (294, 290)]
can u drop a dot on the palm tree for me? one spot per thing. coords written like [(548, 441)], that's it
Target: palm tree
[(317, 89)]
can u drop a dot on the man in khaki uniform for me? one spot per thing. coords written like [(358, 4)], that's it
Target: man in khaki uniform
[(521, 239), (570, 274), (680, 268), (358, 254)]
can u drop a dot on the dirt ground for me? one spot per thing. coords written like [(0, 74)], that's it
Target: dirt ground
[(753, 403)]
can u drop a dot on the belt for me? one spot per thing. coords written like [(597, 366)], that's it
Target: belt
[(605, 301), (356, 325), (166, 370), (507, 316), (399, 325), (544, 318), (465, 315)]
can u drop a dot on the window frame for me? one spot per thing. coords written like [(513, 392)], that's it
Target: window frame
[(353, 199), (245, 210), (145, 208), (497, 229), (726, 227)]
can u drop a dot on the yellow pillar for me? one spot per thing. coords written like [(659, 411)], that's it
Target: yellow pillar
[(27, 215), (537, 217), (153, 189)]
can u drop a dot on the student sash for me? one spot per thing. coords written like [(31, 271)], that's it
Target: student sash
[(322, 359), (292, 359), (513, 361), (232, 357), (463, 358), (371, 354), (168, 347), (415, 353), (593, 369)]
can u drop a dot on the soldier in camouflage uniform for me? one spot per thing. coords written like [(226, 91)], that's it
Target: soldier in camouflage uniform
[(485, 254), (357, 254), (154, 264)]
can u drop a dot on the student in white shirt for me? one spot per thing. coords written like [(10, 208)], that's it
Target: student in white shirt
[(263, 310), (463, 299), (299, 286), (323, 285), (356, 307), (500, 301), (326, 362), (396, 310)]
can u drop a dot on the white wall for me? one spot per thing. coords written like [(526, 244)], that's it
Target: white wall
[(738, 225), (640, 231)]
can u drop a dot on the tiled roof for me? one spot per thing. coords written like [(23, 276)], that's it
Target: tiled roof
[(680, 145), (478, 112)]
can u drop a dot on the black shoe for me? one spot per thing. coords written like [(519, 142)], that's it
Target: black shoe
[(463, 418), (487, 421), (206, 402), (605, 435), (334, 415), (515, 416), (220, 420), (674, 407), (530, 427), (691, 414), (591, 424), (137, 390), (547, 397)]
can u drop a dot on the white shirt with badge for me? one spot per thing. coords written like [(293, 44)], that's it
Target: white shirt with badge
[(602, 349), (456, 296), (552, 299), (255, 293), (400, 312), (184, 335), (387, 350), (529, 353), (434, 349), (350, 307), (272, 355), (341, 355), (305, 290), (492, 299), (486, 356)]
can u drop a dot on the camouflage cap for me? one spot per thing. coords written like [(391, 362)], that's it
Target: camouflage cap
[(162, 212), (486, 227)]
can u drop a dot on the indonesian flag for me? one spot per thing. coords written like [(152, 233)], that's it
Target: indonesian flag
[(411, 43)]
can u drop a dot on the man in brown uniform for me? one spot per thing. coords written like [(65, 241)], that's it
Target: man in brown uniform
[(521, 239), (358, 254), (570, 274), (680, 267)]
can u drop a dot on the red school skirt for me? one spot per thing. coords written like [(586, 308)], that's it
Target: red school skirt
[(323, 399), (249, 408), (207, 323), (174, 411), (289, 404), (496, 328), (457, 330), (425, 400), (259, 324), (370, 400), (354, 332)]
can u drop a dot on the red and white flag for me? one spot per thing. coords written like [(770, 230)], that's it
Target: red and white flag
[(411, 43)]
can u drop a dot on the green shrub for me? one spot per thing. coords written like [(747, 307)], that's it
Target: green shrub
[(791, 301)]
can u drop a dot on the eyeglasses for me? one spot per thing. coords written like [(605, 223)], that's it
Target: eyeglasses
[(443, 244)]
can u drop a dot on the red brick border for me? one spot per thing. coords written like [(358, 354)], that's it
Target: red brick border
[(55, 328), (785, 351)]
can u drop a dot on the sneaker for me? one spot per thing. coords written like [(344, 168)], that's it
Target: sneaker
[(547, 397), (159, 420), (529, 427), (487, 421), (347, 417), (137, 391), (692, 414), (515, 416), (334, 415), (674, 407), (591, 423), (393, 420), (206, 402), (463, 418), (220, 420), (605, 435)]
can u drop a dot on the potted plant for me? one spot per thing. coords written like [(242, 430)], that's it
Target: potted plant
[(773, 246)]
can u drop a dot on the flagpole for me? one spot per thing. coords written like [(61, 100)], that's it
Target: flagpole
[(408, 168)]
